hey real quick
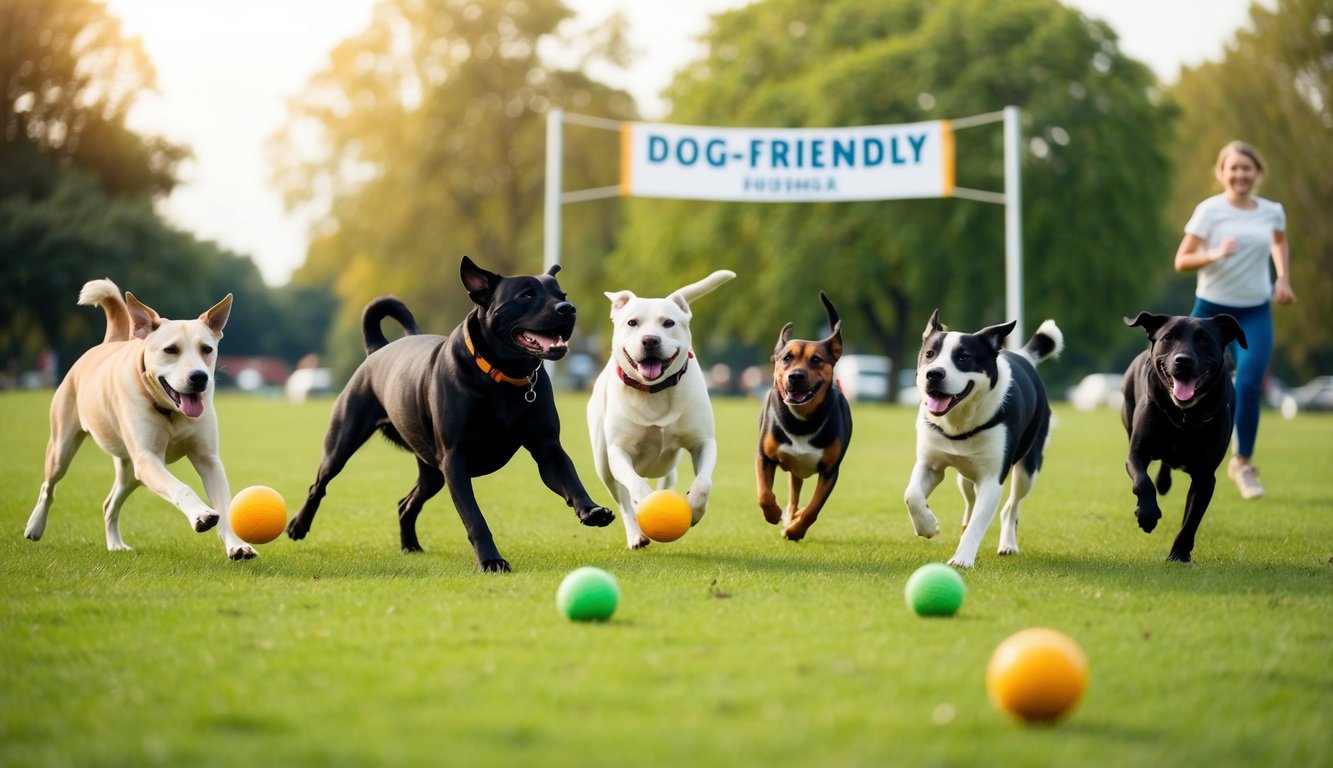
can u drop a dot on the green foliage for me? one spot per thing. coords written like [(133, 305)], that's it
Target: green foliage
[(1274, 90), (730, 647), (1094, 173), (429, 134)]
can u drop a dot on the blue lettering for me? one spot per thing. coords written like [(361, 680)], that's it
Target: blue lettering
[(844, 153), (817, 153), (779, 151), (896, 158), (693, 153), (917, 142), (716, 153), (657, 149), (874, 153), (755, 146)]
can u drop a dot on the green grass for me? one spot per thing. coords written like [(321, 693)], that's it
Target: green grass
[(730, 646)]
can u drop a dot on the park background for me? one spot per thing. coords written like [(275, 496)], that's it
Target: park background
[(421, 138)]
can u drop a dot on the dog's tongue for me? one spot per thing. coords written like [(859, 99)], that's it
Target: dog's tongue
[(1183, 389), (651, 369), (937, 403), (192, 405)]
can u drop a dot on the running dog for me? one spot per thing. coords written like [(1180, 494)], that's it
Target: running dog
[(650, 402), (145, 394), (983, 410), (805, 426), (463, 404), (1178, 408)]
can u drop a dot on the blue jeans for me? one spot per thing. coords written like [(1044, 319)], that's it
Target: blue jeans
[(1251, 364)]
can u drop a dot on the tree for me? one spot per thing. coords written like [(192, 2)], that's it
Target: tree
[(1094, 174), (428, 142), (1273, 89)]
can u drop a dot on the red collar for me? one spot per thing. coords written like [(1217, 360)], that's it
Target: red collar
[(652, 389)]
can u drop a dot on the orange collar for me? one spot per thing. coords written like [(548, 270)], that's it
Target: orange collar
[(495, 373)]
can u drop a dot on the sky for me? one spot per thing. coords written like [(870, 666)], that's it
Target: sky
[(227, 68)]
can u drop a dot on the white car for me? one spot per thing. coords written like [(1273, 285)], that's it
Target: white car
[(1097, 390), (863, 377)]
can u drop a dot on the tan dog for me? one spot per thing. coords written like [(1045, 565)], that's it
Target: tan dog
[(145, 394), (805, 426)]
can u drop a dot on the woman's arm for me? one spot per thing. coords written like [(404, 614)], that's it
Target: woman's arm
[(1192, 254), (1282, 293)]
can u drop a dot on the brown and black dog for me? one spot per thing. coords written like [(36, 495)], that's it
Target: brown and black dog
[(805, 427)]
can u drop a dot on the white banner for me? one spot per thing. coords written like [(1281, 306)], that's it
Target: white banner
[(878, 162)]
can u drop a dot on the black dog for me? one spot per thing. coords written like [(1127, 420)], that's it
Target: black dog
[(805, 427), (1178, 408), (462, 403)]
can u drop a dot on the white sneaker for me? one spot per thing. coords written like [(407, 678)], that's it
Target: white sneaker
[(1246, 477)]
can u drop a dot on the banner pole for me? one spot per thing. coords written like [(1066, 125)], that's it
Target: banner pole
[(555, 120), (1013, 226)]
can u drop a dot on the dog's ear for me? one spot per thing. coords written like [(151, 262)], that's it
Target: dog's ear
[(555, 268), (994, 335), (682, 303), (834, 340), (618, 300), (1231, 330), (479, 283), (1149, 322), (216, 317), (784, 336), (933, 324), (142, 317)]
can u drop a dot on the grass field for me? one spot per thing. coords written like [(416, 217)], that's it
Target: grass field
[(731, 647)]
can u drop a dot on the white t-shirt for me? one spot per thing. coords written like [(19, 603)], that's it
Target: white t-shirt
[(1241, 279)]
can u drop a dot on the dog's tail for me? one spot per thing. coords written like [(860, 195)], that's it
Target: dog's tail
[(104, 293), (1047, 342), (695, 290), (377, 310)]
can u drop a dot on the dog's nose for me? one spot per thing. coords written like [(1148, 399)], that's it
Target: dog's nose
[(796, 377), (198, 381), (1182, 364), (935, 374), (650, 342), (564, 308)]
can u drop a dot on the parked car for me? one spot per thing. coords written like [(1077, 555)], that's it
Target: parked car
[(908, 394), (1097, 390), (863, 377), (1314, 395)]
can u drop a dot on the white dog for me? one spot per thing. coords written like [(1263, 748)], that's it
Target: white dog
[(651, 402), (145, 394)]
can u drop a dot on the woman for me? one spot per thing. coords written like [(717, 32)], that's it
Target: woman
[(1229, 241)]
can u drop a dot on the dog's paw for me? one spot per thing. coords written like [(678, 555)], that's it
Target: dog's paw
[(1007, 549), (927, 527), (793, 532), (1147, 518), (1178, 557), (772, 512), (245, 552), (498, 565), (205, 522), (119, 546), (596, 517), (296, 529), (412, 549), (958, 561), (638, 542)]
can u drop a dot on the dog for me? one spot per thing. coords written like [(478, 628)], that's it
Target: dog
[(983, 411), (805, 425), (1178, 408), (463, 404), (650, 402), (145, 394)]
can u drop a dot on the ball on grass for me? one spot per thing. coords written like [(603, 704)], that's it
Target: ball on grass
[(664, 515), (257, 514), (1037, 675), (935, 589), (588, 594)]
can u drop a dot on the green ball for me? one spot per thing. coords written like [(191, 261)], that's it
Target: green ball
[(935, 589), (588, 594)]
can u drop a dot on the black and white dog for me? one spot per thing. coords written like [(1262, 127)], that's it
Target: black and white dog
[(983, 410)]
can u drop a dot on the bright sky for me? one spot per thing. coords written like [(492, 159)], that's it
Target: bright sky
[(226, 69)]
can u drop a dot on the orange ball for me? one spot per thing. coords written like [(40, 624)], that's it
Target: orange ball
[(1037, 674), (258, 514), (664, 515)]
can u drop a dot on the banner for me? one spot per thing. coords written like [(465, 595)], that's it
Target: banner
[(878, 162)]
